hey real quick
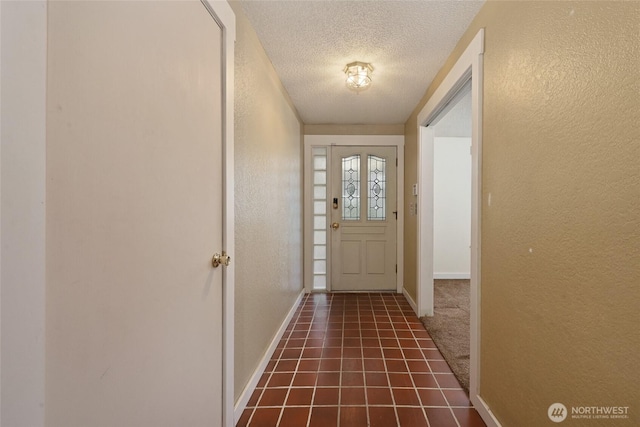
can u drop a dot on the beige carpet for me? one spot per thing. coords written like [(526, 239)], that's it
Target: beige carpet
[(449, 326)]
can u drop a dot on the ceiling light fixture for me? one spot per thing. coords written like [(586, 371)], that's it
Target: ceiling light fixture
[(358, 75)]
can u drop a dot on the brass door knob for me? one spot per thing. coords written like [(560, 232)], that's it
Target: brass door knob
[(335, 225), (218, 259)]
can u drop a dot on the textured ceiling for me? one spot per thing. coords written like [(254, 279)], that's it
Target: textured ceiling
[(310, 42)]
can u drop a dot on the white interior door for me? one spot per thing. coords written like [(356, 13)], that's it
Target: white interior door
[(134, 215), (363, 218)]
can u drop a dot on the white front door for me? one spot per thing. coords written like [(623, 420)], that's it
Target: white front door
[(363, 218), (134, 215)]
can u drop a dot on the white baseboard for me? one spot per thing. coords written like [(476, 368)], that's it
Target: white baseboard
[(241, 404), (412, 303), (451, 276), (485, 413)]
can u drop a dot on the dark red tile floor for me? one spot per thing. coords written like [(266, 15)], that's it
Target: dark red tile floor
[(357, 360)]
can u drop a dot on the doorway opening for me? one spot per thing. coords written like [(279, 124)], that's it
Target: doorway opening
[(468, 68), (449, 326)]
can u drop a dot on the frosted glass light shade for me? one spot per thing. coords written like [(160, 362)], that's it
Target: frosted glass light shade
[(358, 75)]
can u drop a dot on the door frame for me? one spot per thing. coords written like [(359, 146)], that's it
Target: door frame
[(311, 141), (27, 147), (222, 13), (468, 66)]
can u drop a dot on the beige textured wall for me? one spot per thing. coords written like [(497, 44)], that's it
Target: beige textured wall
[(560, 241), (329, 129), (410, 221), (268, 187)]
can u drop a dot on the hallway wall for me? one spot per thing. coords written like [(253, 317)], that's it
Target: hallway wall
[(560, 237), (451, 208), (268, 192), (328, 129)]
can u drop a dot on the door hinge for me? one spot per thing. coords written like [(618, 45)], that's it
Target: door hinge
[(396, 268), (396, 162)]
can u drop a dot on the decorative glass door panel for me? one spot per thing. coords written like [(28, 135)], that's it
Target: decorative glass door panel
[(377, 194), (351, 188)]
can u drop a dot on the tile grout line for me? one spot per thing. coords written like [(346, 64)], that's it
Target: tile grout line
[(384, 358), (266, 384), (313, 393), (415, 388), (344, 309), (293, 376), (362, 405), (364, 377), (300, 356), (384, 309), (439, 388), (404, 359)]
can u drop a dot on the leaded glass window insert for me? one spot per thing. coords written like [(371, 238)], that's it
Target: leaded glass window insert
[(351, 188), (376, 189)]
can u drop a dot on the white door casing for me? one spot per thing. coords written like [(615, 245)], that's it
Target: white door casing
[(468, 66), (139, 198), (363, 216)]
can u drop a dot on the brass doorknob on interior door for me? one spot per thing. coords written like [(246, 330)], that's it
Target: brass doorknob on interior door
[(218, 259), (335, 225)]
